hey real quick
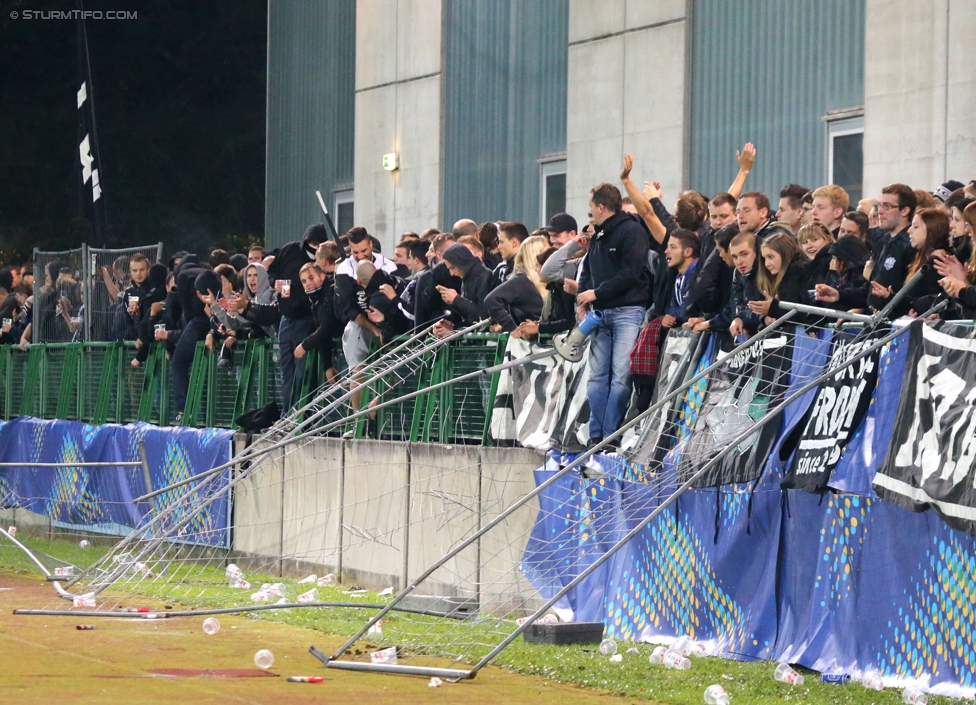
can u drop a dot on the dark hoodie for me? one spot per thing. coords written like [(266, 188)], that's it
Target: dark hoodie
[(156, 294), (394, 322), (428, 304), (744, 290), (186, 292), (615, 267), (288, 262), (469, 305)]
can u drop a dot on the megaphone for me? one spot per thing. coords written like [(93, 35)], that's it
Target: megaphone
[(571, 346)]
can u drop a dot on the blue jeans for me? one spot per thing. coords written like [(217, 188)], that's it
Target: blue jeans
[(608, 386), (291, 332)]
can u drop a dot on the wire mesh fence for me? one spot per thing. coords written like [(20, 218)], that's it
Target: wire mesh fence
[(106, 278), (58, 296)]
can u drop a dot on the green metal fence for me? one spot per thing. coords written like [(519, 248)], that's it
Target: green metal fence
[(96, 383)]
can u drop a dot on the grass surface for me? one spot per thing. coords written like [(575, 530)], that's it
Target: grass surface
[(635, 677)]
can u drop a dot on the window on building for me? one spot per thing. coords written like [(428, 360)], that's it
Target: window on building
[(552, 189), (845, 156), (343, 209)]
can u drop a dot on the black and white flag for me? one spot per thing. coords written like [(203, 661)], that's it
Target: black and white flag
[(835, 414), (90, 203), (541, 404), (931, 461)]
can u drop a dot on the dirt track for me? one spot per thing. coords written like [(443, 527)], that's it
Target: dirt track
[(45, 659)]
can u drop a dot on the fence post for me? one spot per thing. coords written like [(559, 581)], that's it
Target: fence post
[(5, 377), (493, 389), (106, 383), (32, 386), (198, 380), (68, 384)]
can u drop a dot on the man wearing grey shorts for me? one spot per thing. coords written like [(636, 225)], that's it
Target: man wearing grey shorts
[(351, 305)]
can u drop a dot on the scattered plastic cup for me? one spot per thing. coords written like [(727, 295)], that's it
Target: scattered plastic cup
[(387, 656), (675, 660), (210, 626), (232, 571), (329, 579), (84, 545), (872, 680), (86, 600), (716, 695), (375, 630), (12, 530), (608, 647), (435, 683), (616, 658), (310, 579), (657, 656), (310, 596), (784, 673), (913, 695), (550, 619), (264, 659), (633, 650)]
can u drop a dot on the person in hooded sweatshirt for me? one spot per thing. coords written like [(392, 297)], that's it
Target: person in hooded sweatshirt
[(193, 283), (151, 305), (383, 299), (296, 322), (467, 305)]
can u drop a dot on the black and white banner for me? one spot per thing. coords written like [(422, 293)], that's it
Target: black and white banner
[(541, 404), (931, 461), (90, 203), (740, 392), (837, 410)]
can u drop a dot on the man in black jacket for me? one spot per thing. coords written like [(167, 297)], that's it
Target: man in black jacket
[(708, 305), (468, 305), (613, 280), (296, 310), (193, 282), (319, 284), (511, 235)]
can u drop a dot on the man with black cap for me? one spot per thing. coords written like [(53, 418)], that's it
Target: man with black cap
[(297, 322), (562, 229), (942, 193), (468, 305)]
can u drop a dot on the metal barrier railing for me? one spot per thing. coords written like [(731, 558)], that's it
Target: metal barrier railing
[(96, 383)]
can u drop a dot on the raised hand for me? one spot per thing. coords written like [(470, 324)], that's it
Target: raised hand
[(628, 166), (747, 157)]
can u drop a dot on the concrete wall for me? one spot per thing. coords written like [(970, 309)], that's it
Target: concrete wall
[(920, 93), (378, 514), (398, 83), (627, 93)]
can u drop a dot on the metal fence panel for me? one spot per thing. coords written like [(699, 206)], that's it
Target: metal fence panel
[(58, 295), (106, 277)]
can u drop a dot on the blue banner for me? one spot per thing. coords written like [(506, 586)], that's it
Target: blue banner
[(839, 582), (101, 499)]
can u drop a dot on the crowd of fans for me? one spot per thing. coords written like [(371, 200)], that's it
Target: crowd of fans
[(722, 264)]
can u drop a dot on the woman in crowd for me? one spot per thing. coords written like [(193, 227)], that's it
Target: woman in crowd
[(782, 276), (520, 297), (959, 280), (815, 241)]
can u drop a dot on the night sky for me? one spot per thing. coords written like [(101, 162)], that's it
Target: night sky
[(180, 108)]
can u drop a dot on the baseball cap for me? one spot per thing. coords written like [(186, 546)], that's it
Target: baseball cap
[(561, 223)]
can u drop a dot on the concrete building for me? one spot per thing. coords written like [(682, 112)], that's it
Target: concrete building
[(412, 113)]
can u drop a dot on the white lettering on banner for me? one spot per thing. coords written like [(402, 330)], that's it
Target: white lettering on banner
[(86, 159), (82, 94), (925, 449), (96, 189)]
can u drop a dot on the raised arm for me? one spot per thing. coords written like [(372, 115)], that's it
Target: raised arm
[(746, 158), (643, 205)]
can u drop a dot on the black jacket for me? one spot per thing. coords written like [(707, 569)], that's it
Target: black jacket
[(350, 297), (514, 301), (328, 325), (394, 321), (615, 267), (713, 288), (186, 291), (501, 273), (427, 302), (744, 290), (890, 269), (818, 269), (469, 305), (289, 260), (562, 311)]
